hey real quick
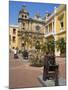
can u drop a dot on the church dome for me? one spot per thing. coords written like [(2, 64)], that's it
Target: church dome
[(23, 10)]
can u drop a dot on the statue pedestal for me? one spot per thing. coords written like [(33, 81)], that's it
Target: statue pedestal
[(49, 83)]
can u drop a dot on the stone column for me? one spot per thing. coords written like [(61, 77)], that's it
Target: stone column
[(57, 53), (52, 26), (48, 28)]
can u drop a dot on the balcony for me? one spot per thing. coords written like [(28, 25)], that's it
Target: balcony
[(62, 29), (49, 33)]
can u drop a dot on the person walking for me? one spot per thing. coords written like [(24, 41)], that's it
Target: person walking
[(15, 54)]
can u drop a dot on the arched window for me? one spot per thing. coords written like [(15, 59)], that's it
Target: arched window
[(25, 16), (13, 39), (14, 31)]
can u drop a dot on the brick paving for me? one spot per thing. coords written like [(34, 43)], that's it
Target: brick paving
[(62, 66), (22, 75)]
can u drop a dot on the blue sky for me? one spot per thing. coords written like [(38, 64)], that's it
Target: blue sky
[(16, 6)]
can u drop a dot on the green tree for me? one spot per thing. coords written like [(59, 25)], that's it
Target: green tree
[(37, 45), (61, 45), (44, 47), (48, 46), (51, 46)]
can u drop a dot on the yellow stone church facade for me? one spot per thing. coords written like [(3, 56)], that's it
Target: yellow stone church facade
[(30, 30)]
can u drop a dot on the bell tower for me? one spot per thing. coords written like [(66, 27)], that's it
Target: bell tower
[(23, 14), (23, 21), (23, 18)]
